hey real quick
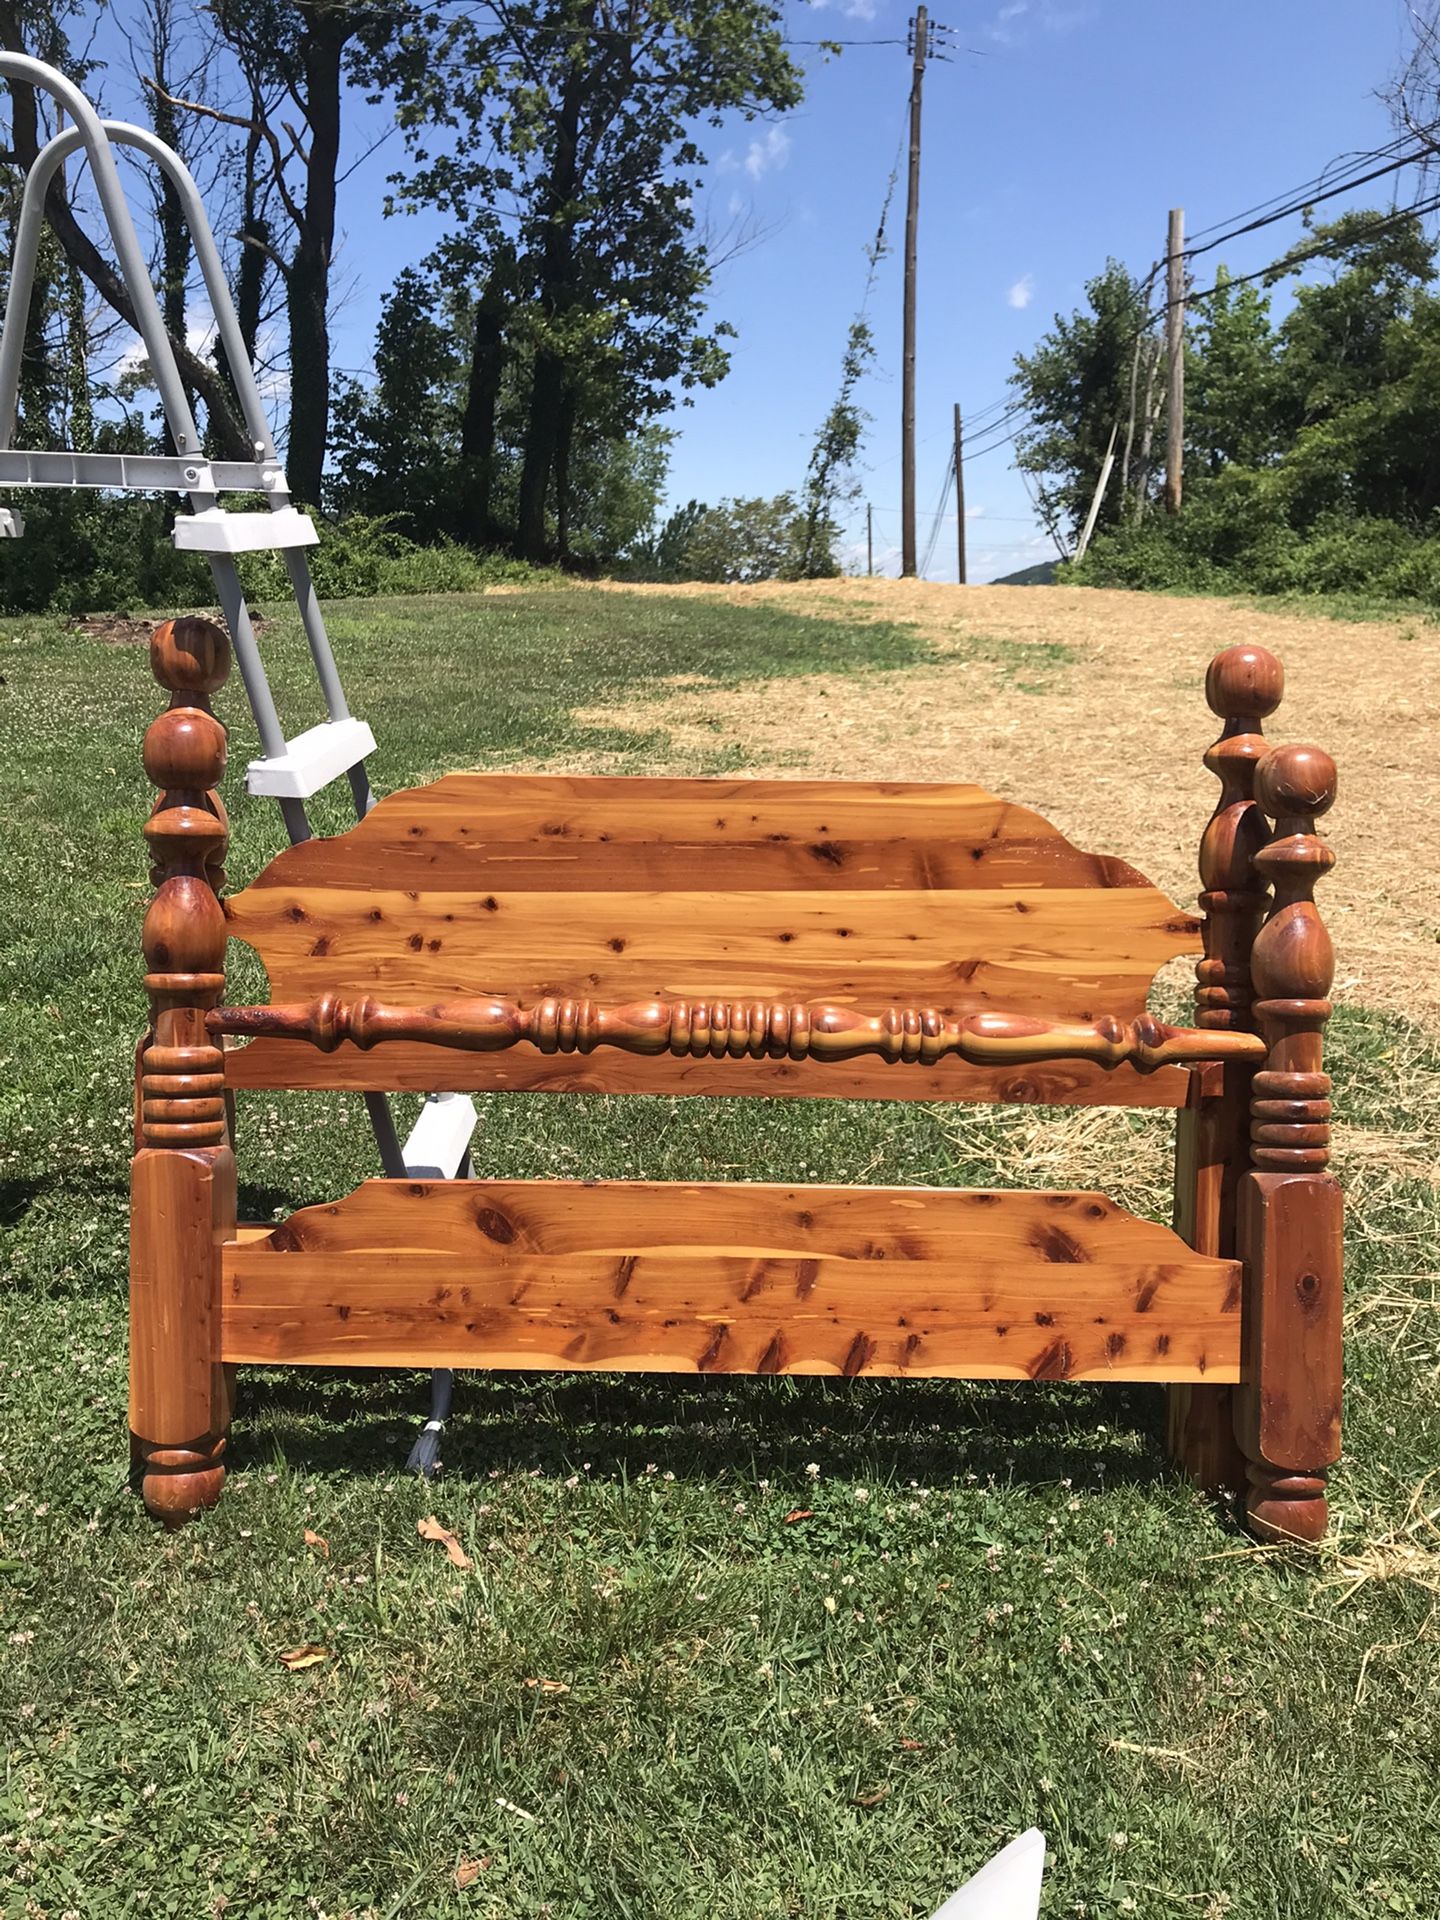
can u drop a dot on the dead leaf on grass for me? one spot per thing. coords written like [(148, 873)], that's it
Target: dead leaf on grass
[(469, 1871), (430, 1529), (871, 1797), (549, 1686), (318, 1541), (298, 1658)]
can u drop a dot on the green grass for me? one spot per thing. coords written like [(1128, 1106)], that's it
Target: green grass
[(1004, 1607)]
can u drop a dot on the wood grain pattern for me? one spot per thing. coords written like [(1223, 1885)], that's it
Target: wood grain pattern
[(1243, 686), (1056, 953), (404, 1067), (624, 890), (732, 1278), (182, 1207), (1288, 1412), (1291, 1234), (477, 832)]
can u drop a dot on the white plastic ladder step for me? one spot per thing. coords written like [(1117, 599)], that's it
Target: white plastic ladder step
[(311, 760), (440, 1137), (216, 531)]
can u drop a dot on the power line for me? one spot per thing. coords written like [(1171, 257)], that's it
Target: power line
[(939, 515), (1321, 179), (1415, 211), (1300, 205)]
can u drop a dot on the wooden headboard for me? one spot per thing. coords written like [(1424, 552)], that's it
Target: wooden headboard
[(754, 896)]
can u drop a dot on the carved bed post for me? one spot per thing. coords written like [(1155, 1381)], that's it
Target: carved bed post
[(1243, 687), (183, 1176), (1288, 1408)]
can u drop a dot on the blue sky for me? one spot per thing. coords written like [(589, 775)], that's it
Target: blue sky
[(1064, 137)]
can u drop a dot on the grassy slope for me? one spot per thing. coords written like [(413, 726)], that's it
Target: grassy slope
[(1004, 1608)]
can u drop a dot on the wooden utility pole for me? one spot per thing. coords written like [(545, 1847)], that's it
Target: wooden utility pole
[(919, 50), (1175, 360), (959, 498), (869, 538)]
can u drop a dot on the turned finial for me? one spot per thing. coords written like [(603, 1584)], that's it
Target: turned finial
[(190, 655), (182, 1078), (1293, 965), (1296, 783), (1243, 685)]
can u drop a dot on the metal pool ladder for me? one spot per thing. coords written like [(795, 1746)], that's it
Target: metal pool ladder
[(291, 769)]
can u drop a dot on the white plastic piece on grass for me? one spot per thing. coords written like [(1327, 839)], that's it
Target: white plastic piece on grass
[(1005, 1888), (440, 1137)]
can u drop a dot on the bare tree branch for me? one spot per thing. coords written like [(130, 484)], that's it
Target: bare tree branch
[(261, 127)]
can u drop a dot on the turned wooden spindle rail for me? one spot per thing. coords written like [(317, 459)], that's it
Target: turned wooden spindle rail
[(1291, 1211), (183, 1178), (736, 1030), (1243, 687)]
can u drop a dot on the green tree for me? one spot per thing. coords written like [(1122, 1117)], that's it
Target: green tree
[(742, 541), (829, 479), (292, 56), (1075, 387), (570, 162), (397, 441), (1231, 381)]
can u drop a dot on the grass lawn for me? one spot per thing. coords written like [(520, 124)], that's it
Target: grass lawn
[(657, 1692)]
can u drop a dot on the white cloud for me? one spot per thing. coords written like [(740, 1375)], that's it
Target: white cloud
[(199, 338), (1022, 292), (860, 9), (772, 150), (200, 331), (1017, 20)]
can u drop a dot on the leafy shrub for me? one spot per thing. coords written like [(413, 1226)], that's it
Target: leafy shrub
[(1233, 537), (659, 554), (87, 554), (746, 540)]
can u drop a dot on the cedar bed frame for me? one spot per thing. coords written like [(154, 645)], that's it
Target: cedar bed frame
[(747, 937)]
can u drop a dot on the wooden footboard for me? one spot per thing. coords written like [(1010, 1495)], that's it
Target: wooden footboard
[(730, 1278), (740, 937)]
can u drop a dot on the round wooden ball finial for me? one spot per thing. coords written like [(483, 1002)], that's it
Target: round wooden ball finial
[(1244, 683), (1295, 780), (190, 655)]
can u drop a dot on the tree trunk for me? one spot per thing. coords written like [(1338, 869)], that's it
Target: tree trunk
[(170, 216), (308, 283), (482, 399), (564, 441), (557, 259), (541, 441)]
